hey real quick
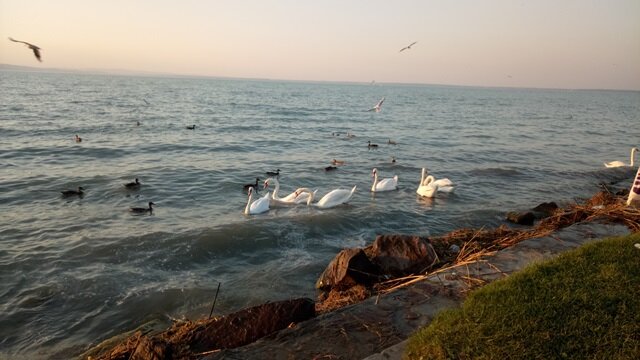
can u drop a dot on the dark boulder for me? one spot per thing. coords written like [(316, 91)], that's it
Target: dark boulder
[(348, 268), (248, 325), (545, 210), (401, 255), (186, 339), (525, 218)]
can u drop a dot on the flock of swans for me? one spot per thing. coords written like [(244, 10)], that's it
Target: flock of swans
[(428, 187)]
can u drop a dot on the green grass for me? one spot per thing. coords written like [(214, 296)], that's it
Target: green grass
[(582, 304)]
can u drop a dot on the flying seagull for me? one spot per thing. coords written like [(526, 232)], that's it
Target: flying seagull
[(377, 106), (408, 46), (36, 50)]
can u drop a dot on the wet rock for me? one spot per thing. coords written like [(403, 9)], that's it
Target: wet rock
[(184, 340), (348, 268), (401, 255), (525, 218), (545, 209), (248, 325)]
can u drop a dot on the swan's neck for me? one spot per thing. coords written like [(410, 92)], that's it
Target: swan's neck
[(246, 209), (428, 180), (424, 172), (307, 190), (633, 152), (375, 181), (275, 189)]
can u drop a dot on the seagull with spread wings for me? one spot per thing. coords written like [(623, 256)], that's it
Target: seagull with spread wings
[(377, 107), (408, 46), (36, 50)]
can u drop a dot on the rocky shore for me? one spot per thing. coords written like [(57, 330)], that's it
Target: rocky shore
[(373, 298)]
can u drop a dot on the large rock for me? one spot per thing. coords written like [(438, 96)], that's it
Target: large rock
[(401, 255), (525, 218), (186, 339), (545, 209), (248, 325), (348, 268)]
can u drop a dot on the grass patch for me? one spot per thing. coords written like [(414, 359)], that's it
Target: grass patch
[(582, 304)]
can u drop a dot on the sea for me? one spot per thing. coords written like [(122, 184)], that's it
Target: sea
[(75, 271)]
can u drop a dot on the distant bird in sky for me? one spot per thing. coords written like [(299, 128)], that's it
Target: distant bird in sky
[(36, 50), (377, 107), (408, 46)]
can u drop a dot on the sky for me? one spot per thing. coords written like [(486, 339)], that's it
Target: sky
[(571, 44)]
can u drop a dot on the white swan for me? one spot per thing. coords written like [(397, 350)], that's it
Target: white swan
[(444, 184), (384, 184), (296, 197), (332, 199), (256, 207), (428, 187), (618, 163)]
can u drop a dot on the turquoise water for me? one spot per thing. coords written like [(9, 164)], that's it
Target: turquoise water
[(74, 271)]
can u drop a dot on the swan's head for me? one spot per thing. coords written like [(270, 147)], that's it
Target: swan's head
[(250, 191), (269, 181), (151, 203), (374, 172)]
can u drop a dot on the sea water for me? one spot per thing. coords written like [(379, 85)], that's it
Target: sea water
[(77, 270)]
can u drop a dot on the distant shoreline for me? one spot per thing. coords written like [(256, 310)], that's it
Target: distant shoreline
[(140, 73)]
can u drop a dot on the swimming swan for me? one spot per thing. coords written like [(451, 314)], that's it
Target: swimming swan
[(444, 184), (428, 187), (296, 197), (257, 207), (384, 184), (331, 199), (618, 163)]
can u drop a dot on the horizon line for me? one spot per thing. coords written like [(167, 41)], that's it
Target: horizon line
[(143, 73)]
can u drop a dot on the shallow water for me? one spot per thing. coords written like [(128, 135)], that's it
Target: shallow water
[(74, 271)]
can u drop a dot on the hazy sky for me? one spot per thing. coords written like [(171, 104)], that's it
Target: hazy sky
[(537, 43)]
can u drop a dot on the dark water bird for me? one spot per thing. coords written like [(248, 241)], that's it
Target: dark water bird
[(370, 145), (254, 186), (408, 46), (141, 210), (78, 192), (273, 173), (36, 50), (133, 185), (191, 127), (137, 123), (391, 142), (330, 168), (78, 138), (393, 159)]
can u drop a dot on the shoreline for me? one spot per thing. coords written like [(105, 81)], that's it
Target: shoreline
[(475, 246)]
